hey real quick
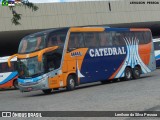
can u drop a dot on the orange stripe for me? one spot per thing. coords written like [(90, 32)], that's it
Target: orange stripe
[(139, 29), (115, 73), (145, 52), (9, 83), (87, 29)]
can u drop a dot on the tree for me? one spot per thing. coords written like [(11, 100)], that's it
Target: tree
[(16, 16)]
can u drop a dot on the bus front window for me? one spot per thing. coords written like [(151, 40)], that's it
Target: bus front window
[(32, 43), (30, 67)]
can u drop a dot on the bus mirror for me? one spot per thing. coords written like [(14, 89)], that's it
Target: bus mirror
[(49, 49), (9, 59)]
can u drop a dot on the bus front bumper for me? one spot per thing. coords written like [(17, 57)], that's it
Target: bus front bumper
[(41, 85)]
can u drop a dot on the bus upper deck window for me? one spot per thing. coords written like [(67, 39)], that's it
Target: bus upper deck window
[(39, 40), (24, 46)]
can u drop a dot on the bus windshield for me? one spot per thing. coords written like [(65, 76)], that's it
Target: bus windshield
[(32, 43), (30, 67)]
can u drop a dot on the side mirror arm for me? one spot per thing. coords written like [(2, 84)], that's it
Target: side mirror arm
[(9, 59), (49, 49)]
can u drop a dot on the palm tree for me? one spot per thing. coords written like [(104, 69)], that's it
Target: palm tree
[(16, 16)]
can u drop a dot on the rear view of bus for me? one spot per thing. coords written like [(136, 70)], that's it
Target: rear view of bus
[(157, 51), (8, 75)]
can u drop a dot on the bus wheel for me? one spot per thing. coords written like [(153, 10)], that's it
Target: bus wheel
[(70, 83), (47, 91), (128, 73), (136, 72), (15, 84)]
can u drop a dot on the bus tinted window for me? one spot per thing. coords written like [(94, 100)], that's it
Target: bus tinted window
[(91, 39), (147, 37), (32, 43), (76, 41), (156, 45), (118, 38), (56, 39), (105, 39), (140, 37), (4, 67)]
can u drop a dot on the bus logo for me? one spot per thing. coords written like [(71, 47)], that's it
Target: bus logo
[(107, 51), (73, 54)]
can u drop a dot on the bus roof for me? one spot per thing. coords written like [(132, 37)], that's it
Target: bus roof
[(94, 29), (5, 59), (98, 28), (46, 31)]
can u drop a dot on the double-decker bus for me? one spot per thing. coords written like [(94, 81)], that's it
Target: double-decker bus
[(8, 75), (156, 42), (69, 57)]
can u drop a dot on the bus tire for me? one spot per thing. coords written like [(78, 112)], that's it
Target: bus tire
[(71, 83), (47, 91), (128, 73), (15, 84), (136, 72)]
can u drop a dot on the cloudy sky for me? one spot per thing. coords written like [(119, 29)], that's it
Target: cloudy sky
[(45, 1)]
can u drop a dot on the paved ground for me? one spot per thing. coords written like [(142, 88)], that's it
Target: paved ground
[(135, 95)]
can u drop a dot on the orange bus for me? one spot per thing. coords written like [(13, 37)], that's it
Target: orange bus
[(8, 75), (69, 57)]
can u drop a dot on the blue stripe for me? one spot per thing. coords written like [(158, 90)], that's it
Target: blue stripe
[(29, 80), (158, 56), (117, 29), (10, 77)]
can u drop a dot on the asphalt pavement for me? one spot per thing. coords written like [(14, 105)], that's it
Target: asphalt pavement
[(135, 95)]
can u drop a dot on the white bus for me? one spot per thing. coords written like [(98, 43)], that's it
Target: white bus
[(157, 51), (8, 75)]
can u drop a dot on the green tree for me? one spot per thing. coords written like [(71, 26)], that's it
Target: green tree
[(16, 16)]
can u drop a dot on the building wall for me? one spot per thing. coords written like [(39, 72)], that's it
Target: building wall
[(55, 15)]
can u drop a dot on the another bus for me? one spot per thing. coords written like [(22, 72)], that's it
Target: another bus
[(69, 57), (157, 51), (8, 75)]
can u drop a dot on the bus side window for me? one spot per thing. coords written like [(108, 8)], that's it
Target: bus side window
[(156, 45), (0, 67), (91, 39), (115, 39), (4, 67), (103, 39), (140, 37), (147, 37), (72, 42), (24, 46), (75, 41)]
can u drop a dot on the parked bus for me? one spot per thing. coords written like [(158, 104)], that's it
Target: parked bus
[(69, 57), (157, 51), (8, 75)]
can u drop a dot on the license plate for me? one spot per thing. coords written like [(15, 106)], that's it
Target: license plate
[(29, 89)]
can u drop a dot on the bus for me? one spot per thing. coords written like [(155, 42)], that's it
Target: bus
[(157, 51), (8, 75), (68, 57)]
